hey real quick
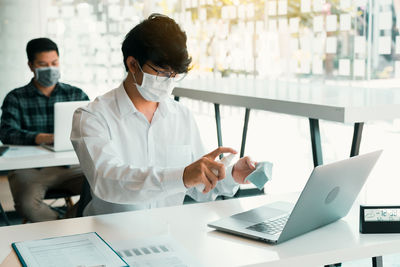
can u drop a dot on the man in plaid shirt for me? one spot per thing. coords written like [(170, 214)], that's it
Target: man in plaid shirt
[(28, 119)]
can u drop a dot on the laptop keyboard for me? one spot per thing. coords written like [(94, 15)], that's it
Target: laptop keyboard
[(270, 227)]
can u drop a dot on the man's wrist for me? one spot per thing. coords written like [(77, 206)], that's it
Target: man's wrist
[(37, 139)]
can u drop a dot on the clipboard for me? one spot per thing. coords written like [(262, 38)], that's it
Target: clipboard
[(87, 249)]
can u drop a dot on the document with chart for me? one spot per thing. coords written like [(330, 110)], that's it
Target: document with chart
[(160, 251), (87, 249)]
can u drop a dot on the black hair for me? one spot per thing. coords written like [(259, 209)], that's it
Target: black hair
[(39, 45), (160, 40)]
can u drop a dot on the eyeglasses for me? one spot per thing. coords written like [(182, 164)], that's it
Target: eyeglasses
[(165, 75)]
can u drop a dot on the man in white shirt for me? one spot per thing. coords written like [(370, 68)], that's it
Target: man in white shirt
[(138, 147)]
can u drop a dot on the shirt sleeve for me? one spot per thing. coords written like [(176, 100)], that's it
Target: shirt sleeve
[(10, 126), (226, 187), (110, 178)]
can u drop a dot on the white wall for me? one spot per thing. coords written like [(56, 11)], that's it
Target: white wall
[(20, 21)]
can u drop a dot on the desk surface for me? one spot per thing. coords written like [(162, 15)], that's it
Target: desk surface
[(337, 242), (24, 157), (319, 101)]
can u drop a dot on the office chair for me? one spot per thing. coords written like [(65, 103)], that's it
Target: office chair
[(85, 198), (57, 194), (4, 215), (65, 194)]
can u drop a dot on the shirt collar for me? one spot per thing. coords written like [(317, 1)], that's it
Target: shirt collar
[(34, 90), (126, 106), (166, 106), (124, 103)]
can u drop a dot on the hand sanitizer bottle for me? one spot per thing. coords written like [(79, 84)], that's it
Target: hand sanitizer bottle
[(226, 161)]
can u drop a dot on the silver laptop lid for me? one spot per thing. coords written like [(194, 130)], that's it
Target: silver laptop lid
[(329, 194), (63, 113)]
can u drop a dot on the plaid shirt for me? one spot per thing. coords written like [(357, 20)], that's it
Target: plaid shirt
[(28, 112)]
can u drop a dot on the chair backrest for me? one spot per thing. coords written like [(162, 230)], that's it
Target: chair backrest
[(85, 198)]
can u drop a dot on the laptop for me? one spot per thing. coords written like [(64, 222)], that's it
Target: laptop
[(63, 112), (328, 196)]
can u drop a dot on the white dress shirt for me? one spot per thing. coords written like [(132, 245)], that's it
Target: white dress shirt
[(132, 164)]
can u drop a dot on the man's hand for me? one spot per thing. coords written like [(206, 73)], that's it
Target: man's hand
[(44, 138), (201, 171), (242, 169)]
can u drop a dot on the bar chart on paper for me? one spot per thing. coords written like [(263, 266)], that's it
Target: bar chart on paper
[(154, 252)]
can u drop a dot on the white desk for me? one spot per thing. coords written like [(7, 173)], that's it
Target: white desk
[(315, 101), (336, 242), (35, 157), (25, 157), (318, 101)]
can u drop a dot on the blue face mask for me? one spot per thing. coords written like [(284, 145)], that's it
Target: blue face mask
[(261, 175)]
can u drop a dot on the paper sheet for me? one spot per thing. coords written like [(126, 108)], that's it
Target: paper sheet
[(317, 45), (67, 11), (114, 11), (331, 45), (317, 5), (232, 12), (305, 6), (359, 45), (259, 27), (318, 23), (397, 69), (361, 3), (250, 11), (344, 67), (294, 44), (75, 250), (161, 251), (385, 20), (331, 23), (317, 65), (359, 67), (385, 2), (384, 45), (272, 25), (272, 8), (305, 44), (305, 67), (345, 4), (202, 14), (294, 24), (242, 12), (282, 23), (345, 22), (25, 151), (397, 44), (282, 7)]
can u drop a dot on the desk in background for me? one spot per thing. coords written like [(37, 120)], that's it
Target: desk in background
[(345, 104), (337, 242), (25, 157)]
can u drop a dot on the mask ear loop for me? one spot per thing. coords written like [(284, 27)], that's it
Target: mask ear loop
[(134, 74)]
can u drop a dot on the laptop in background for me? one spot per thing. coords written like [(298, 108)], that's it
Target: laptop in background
[(63, 112), (328, 196)]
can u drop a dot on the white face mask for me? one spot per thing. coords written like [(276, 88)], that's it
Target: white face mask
[(154, 90)]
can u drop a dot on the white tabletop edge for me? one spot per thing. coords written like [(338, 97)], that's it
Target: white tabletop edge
[(188, 222), (325, 112), (49, 159)]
